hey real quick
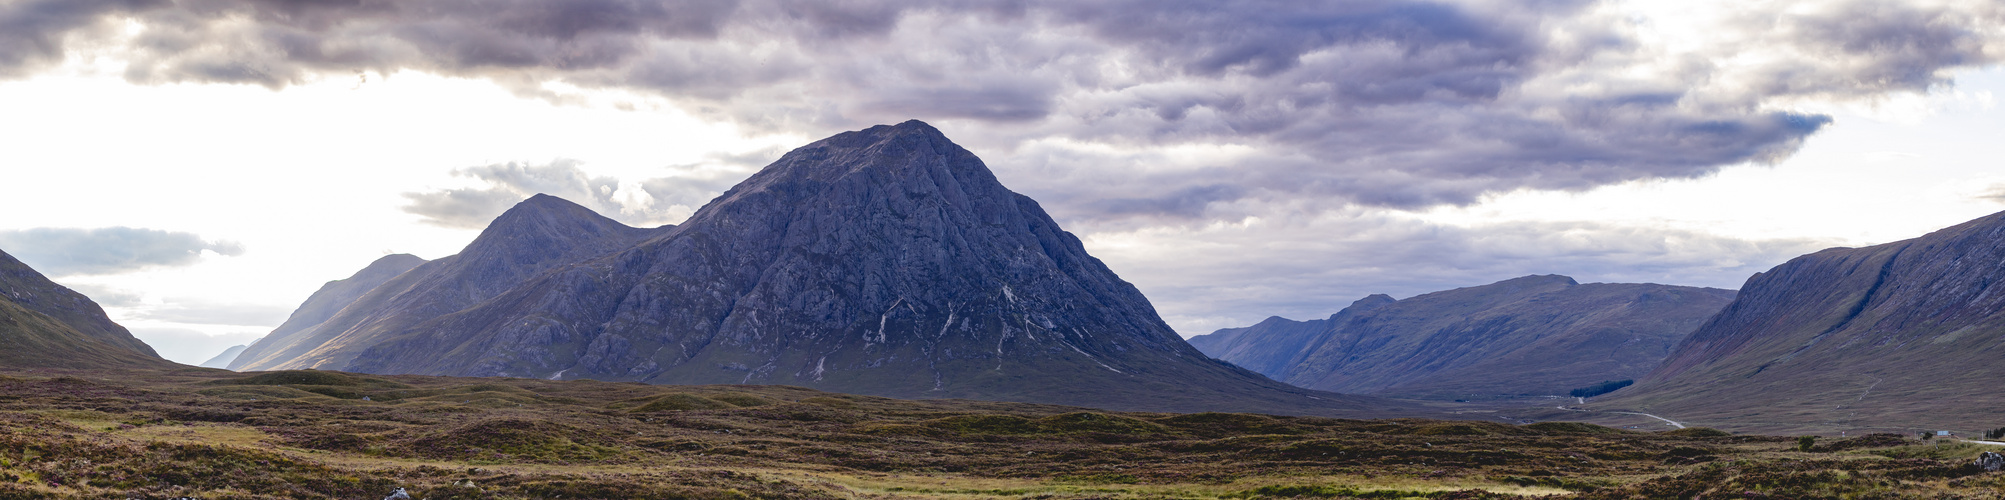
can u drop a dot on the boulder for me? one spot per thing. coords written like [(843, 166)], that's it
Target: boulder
[(1990, 461)]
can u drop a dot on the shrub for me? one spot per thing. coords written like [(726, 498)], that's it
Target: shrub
[(1599, 389)]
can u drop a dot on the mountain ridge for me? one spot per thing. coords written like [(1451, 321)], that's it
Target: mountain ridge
[(1532, 335), (1874, 336), (537, 234)]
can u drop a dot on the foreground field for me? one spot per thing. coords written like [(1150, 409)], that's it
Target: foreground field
[(214, 435)]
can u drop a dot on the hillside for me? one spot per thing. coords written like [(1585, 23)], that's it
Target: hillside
[(887, 261), (1535, 335), (1901, 335), (43, 324), (537, 235)]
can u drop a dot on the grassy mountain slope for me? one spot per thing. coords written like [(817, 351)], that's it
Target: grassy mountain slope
[(43, 324), (1905, 335), (1535, 335), (27, 288)]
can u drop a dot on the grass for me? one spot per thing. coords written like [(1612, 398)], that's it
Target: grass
[(216, 434)]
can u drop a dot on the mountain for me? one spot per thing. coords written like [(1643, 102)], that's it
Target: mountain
[(1905, 335), (336, 295), (539, 234), (46, 325), (887, 261), (223, 359), (1535, 335)]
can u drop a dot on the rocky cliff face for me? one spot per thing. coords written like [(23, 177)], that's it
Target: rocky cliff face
[(43, 324), (887, 261), (1890, 335), (1536, 335)]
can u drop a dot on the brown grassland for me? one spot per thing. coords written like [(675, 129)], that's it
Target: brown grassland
[(213, 434)]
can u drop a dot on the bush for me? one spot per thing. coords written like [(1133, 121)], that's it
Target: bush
[(1806, 443), (1601, 388)]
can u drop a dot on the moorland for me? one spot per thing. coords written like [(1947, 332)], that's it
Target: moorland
[(215, 434)]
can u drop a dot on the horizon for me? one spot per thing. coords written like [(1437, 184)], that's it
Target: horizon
[(199, 183)]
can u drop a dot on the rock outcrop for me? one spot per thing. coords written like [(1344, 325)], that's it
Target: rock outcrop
[(887, 261), (1535, 335), (46, 325)]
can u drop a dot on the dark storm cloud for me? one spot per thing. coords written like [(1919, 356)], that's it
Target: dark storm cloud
[(643, 203), (110, 250), (1398, 103), (35, 33)]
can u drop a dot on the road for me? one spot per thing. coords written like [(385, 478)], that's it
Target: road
[(1673, 423)]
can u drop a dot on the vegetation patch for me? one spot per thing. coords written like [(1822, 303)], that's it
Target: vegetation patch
[(1572, 429), (681, 402), (1697, 432), (309, 378), (1604, 387), (511, 439)]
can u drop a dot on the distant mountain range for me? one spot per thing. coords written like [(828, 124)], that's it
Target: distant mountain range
[(1906, 336), (887, 261), (1535, 335), (46, 325)]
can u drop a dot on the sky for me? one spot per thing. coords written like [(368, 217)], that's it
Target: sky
[(199, 167)]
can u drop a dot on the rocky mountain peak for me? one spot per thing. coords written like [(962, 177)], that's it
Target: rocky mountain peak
[(885, 261), (1372, 301)]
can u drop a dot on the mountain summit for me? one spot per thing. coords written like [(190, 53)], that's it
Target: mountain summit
[(886, 261)]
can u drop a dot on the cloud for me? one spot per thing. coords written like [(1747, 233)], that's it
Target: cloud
[(201, 312), (1235, 274), (1390, 103), (37, 33), (1996, 194), (109, 250), (644, 203)]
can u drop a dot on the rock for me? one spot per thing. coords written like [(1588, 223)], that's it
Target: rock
[(400, 494), (1990, 461)]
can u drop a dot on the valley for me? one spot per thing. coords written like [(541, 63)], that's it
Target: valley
[(875, 316)]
